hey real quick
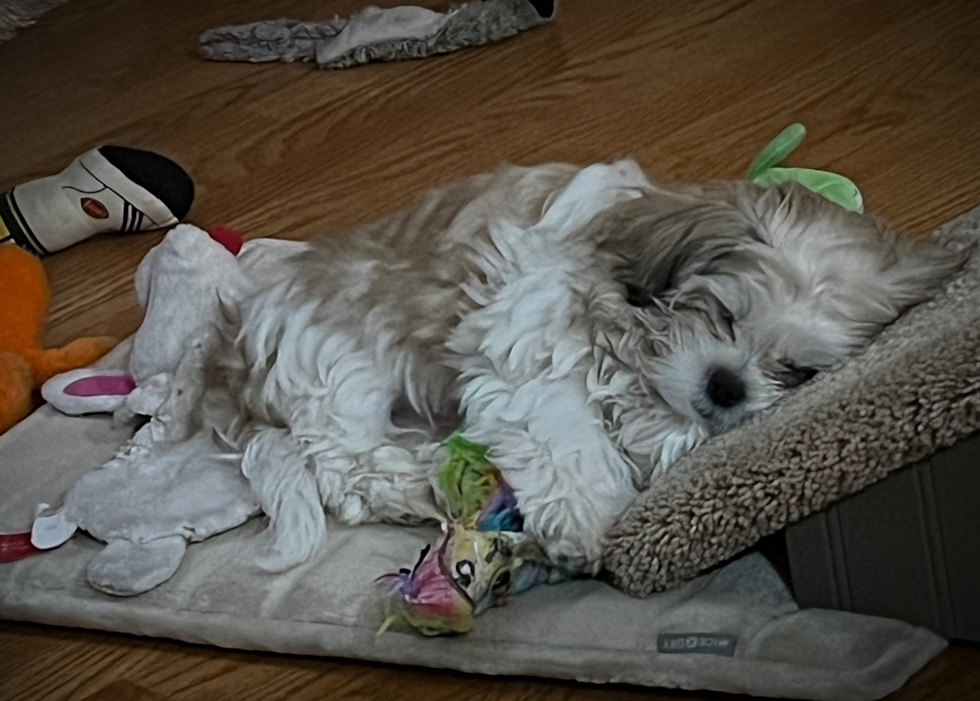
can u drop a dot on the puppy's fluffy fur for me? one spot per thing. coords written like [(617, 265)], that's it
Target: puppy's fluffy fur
[(587, 325)]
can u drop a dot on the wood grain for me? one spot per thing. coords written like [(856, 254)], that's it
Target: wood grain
[(37, 663), (889, 89)]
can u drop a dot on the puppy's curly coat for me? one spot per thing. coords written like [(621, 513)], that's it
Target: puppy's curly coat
[(586, 324)]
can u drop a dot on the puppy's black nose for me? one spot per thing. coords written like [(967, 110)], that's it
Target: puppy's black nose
[(725, 388)]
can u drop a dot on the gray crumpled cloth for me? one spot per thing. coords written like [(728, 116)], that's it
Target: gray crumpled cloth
[(375, 34), (16, 15)]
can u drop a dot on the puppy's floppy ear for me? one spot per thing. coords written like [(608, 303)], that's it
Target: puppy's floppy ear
[(908, 270), (658, 242), (858, 261), (920, 269)]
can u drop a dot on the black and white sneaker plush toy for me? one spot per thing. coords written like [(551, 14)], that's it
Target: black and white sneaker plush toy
[(107, 189)]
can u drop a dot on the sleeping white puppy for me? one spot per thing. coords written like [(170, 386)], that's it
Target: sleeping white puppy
[(587, 325)]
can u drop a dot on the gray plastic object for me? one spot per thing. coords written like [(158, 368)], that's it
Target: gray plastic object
[(907, 547)]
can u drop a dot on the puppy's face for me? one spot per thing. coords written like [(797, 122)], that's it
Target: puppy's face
[(740, 293)]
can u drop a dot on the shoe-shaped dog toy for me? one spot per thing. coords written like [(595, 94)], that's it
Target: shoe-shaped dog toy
[(107, 189)]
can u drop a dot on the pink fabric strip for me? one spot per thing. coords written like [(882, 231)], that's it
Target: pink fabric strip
[(101, 386)]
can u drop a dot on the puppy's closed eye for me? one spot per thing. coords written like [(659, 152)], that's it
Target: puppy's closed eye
[(637, 296), (790, 375)]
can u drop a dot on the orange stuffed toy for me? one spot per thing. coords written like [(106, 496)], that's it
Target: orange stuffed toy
[(24, 364)]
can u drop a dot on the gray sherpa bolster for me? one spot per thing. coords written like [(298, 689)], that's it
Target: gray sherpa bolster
[(915, 390)]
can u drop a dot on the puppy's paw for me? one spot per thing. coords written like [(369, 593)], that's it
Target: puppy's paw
[(275, 466), (570, 541), (575, 556)]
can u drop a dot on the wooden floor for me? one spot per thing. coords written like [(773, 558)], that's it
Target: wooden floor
[(890, 90)]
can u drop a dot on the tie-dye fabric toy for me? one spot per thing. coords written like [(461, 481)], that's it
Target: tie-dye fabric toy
[(481, 558)]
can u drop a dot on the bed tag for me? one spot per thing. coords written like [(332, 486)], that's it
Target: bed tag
[(697, 644)]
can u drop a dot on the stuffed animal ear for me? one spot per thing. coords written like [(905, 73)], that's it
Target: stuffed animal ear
[(51, 530), (88, 391)]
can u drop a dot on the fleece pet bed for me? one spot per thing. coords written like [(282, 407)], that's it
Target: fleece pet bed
[(735, 629), (916, 390)]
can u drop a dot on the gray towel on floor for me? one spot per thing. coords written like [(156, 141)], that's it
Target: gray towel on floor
[(915, 390), (375, 34), (18, 14)]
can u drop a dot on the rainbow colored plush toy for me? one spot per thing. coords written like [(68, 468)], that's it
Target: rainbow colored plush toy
[(480, 560)]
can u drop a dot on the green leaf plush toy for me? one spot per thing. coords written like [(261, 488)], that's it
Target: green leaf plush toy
[(765, 171)]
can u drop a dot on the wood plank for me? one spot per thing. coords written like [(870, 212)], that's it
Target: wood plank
[(39, 662)]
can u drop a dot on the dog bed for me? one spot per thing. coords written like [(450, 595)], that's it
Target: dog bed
[(916, 390), (735, 628)]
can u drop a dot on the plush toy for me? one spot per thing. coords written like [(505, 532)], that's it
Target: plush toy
[(179, 285), (481, 558), (146, 504), (169, 485), (834, 187), (24, 364), (107, 189)]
